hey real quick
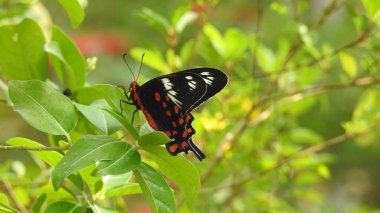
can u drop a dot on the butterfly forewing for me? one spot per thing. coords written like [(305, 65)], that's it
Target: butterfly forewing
[(183, 89)]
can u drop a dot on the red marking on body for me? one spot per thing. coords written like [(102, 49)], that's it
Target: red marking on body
[(184, 134), (157, 96), (164, 104), (174, 132), (174, 124), (150, 120), (187, 118), (135, 95), (173, 147), (168, 133), (180, 121), (176, 109), (167, 98), (168, 113), (184, 145)]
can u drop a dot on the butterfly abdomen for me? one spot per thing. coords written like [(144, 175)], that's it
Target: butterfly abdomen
[(137, 101)]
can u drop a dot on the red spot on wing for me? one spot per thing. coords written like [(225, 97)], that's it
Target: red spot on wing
[(174, 132), (188, 117), (174, 124), (189, 130), (164, 104), (184, 144), (180, 121), (168, 113), (176, 109), (157, 96), (168, 133), (167, 98), (173, 148), (184, 134)]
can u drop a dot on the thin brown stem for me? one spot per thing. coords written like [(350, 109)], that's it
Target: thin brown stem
[(309, 150)]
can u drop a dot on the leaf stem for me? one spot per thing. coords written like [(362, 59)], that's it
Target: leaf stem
[(29, 148)]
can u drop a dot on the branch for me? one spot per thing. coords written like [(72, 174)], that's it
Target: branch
[(246, 122), (30, 148), (309, 150)]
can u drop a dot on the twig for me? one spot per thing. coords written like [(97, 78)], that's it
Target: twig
[(302, 153), (13, 195), (30, 148), (246, 122)]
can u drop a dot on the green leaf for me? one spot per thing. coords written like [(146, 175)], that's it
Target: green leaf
[(111, 93), (38, 204), (52, 157), (85, 152), (75, 11), (22, 54), (348, 63), (187, 178), (366, 113), (43, 107), (215, 37), (126, 123), (157, 21), (120, 185), (99, 209), (67, 60), (153, 59), (124, 163), (101, 119), (153, 139), (64, 207), (185, 20), (372, 8), (235, 44), (155, 189)]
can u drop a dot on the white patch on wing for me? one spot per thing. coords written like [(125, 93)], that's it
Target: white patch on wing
[(192, 84), (175, 100), (172, 92), (207, 77), (189, 77), (167, 84)]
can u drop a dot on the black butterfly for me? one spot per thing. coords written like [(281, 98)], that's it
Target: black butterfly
[(167, 102)]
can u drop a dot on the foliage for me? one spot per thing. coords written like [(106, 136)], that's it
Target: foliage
[(299, 84)]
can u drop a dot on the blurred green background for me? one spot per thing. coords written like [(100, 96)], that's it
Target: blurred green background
[(285, 51)]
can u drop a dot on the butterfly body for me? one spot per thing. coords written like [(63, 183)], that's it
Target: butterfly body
[(167, 102)]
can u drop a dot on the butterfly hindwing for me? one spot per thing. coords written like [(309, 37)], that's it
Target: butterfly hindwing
[(168, 118)]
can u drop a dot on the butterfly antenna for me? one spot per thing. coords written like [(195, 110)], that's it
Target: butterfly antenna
[(125, 60), (142, 59)]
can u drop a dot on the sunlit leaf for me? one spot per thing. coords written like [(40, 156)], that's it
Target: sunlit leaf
[(187, 178), (43, 107), (152, 58), (348, 63), (64, 207), (155, 189), (85, 152), (75, 11), (153, 139), (101, 119), (22, 54), (67, 60)]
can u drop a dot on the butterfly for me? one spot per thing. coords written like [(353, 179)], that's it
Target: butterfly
[(167, 102)]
